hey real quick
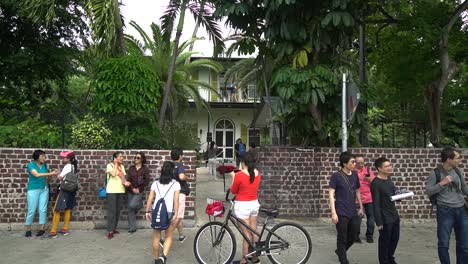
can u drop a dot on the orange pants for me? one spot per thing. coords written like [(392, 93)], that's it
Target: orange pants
[(56, 219)]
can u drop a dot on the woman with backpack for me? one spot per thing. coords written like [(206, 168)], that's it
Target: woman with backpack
[(65, 199), (245, 186), (163, 192)]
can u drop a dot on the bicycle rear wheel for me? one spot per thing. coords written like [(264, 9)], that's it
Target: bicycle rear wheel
[(294, 242), (214, 244)]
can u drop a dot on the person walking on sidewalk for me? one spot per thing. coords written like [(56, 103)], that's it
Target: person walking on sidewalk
[(115, 188), (179, 175), (138, 177), (366, 176), (65, 200), (385, 212), (447, 182), (212, 155), (168, 189), (343, 191), (38, 191)]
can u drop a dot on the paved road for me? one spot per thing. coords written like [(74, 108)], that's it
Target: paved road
[(417, 243)]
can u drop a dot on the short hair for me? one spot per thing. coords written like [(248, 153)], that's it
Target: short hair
[(116, 154), (447, 153), (176, 153), (167, 172), (379, 162), (358, 156), (37, 153), (345, 157), (143, 157)]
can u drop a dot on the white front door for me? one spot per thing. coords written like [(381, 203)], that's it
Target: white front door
[(224, 138)]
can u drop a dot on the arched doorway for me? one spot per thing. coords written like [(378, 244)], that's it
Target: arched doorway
[(224, 138)]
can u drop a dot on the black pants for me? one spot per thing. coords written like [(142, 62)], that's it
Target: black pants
[(388, 241), (346, 234), (114, 203)]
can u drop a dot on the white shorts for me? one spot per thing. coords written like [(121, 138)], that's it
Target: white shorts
[(246, 209), (181, 212)]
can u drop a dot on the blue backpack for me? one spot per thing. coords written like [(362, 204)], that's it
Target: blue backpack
[(159, 215)]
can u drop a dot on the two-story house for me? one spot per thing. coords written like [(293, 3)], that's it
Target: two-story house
[(233, 112)]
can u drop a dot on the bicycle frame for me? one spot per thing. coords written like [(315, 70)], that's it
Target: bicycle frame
[(237, 222)]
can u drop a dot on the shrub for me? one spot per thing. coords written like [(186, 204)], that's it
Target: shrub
[(90, 133)]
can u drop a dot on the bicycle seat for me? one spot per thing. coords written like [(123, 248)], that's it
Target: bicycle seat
[(273, 212)]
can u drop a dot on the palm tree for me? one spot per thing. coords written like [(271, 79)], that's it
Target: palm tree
[(175, 8), (184, 87)]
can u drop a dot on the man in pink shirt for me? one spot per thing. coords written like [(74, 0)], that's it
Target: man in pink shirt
[(365, 178)]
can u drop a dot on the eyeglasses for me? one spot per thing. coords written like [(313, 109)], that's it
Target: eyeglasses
[(137, 158), (353, 161)]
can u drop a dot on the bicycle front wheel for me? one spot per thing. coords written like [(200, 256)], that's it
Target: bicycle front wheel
[(288, 243), (214, 244)]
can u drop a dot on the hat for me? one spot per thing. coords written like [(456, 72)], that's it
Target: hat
[(67, 154)]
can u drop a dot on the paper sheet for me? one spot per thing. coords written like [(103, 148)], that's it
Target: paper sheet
[(401, 196)]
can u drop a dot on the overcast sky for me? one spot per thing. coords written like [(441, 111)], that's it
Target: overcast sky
[(144, 12)]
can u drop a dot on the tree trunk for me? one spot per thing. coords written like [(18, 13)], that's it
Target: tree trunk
[(316, 116), (433, 98), (119, 33), (267, 95), (449, 68), (170, 75), (195, 30), (364, 132)]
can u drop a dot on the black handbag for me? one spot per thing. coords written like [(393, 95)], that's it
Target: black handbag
[(70, 181)]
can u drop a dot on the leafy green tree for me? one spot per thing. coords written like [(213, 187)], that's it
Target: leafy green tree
[(420, 56), (34, 57), (125, 84), (300, 33)]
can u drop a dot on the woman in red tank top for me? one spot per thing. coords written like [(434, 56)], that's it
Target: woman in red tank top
[(245, 186)]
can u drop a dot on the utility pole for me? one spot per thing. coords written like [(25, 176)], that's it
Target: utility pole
[(344, 131)]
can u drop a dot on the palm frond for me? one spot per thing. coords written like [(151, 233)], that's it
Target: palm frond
[(157, 34), (168, 19), (206, 20), (134, 45), (184, 56), (205, 63), (144, 36)]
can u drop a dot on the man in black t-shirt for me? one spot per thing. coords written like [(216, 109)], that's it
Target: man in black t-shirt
[(343, 192), (385, 212)]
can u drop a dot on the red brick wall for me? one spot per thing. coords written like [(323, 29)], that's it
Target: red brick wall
[(92, 163), (296, 180)]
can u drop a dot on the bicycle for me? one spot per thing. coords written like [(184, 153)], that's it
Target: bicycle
[(286, 242)]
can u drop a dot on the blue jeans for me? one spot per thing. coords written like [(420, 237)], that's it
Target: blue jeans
[(447, 219), (369, 211), (37, 199)]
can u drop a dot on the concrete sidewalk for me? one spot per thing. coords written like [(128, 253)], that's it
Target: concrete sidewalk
[(417, 242)]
